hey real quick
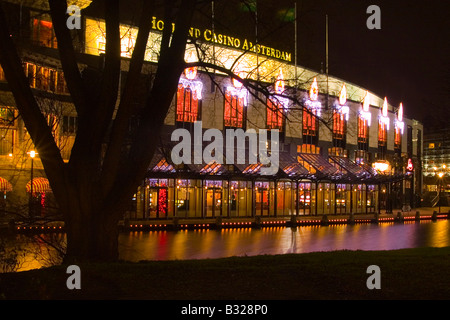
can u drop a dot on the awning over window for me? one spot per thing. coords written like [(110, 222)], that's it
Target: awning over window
[(253, 169), (313, 167), (324, 169), (353, 169), (40, 185), (292, 168), (161, 166), (212, 168), (5, 186)]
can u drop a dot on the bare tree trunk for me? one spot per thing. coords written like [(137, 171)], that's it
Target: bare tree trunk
[(91, 236)]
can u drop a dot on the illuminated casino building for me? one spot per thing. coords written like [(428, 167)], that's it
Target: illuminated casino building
[(342, 148)]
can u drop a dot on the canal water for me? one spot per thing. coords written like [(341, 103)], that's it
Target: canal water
[(204, 244)]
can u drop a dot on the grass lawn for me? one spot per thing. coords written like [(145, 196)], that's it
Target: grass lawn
[(422, 273)]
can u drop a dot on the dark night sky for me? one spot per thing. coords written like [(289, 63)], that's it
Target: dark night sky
[(407, 60)]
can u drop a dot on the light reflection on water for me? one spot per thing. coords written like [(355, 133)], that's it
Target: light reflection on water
[(202, 244), (26, 252)]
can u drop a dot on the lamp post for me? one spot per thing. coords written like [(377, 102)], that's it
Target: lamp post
[(440, 175), (32, 154)]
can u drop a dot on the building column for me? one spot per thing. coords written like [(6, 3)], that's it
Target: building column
[(253, 198)]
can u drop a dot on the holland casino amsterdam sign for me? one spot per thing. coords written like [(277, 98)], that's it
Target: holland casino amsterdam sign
[(229, 41)]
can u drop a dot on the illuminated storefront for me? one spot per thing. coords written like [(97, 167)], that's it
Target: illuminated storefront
[(321, 172), (325, 166), (309, 185)]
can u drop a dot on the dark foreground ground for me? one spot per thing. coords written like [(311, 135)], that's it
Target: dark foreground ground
[(422, 273)]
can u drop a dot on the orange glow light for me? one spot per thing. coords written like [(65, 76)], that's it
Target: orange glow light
[(366, 102), (343, 95), (314, 91), (400, 113), (279, 84), (384, 109)]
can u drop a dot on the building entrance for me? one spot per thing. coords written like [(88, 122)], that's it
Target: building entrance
[(262, 201), (213, 202), (158, 202), (304, 198)]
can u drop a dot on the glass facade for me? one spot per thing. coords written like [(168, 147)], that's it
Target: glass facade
[(196, 198)]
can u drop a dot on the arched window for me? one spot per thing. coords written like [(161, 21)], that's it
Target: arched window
[(234, 110), (310, 123), (397, 139), (275, 116), (188, 104), (189, 95), (339, 126), (363, 133), (382, 134)]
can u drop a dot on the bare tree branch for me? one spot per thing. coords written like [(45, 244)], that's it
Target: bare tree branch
[(67, 56)]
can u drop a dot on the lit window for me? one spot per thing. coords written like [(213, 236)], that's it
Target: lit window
[(274, 115), (6, 116), (382, 134), (69, 125), (234, 110), (188, 104), (45, 78), (42, 78), (309, 123), (43, 34), (338, 126), (30, 72), (362, 130), (189, 95), (7, 141), (397, 138), (61, 85), (308, 148)]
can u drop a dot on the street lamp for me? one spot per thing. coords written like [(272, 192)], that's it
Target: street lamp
[(440, 175), (32, 154)]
